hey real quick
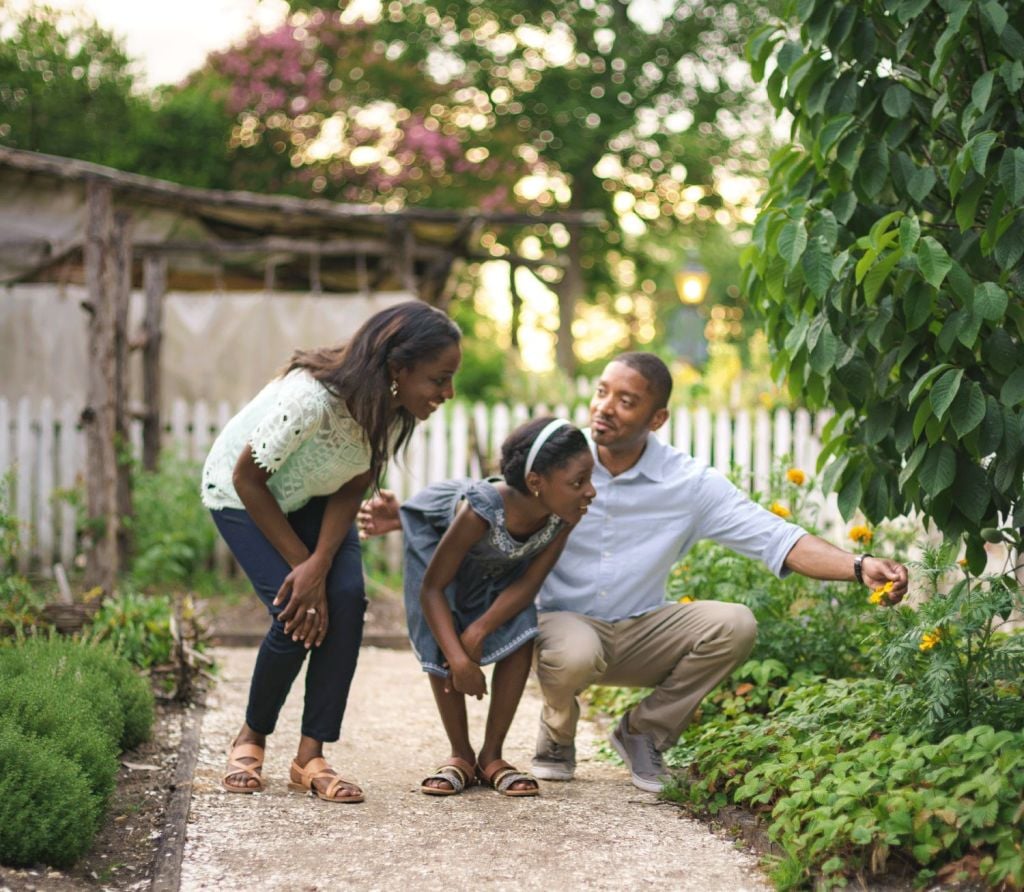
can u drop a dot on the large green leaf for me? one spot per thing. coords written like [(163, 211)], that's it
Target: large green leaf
[(925, 381), (921, 184), (981, 90), (1000, 351), (1011, 173), (938, 470), (792, 241), (817, 266), (1012, 392), (878, 274), (918, 305), (933, 261), (850, 495), (990, 301), (968, 408), (971, 492), (896, 101), (910, 232), (945, 390)]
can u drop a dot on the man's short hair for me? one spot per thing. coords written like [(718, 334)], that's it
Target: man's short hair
[(655, 373)]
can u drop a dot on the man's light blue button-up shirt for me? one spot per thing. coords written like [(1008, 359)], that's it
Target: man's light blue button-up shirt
[(617, 559)]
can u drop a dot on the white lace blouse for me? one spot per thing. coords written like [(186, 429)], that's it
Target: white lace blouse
[(300, 433)]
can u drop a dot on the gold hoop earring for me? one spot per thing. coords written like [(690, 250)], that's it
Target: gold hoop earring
[(394, 388)]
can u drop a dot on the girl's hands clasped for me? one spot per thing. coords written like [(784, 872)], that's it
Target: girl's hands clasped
[(305, 614)]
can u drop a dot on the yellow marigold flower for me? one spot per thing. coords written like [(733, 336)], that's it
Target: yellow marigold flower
[(930, 639), (862, 534), (879, 594), (686, 599), (962, 562), (780, 509), (795, 475)]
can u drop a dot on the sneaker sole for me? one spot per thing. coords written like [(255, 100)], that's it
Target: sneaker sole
[(548, 772), (640, 783)]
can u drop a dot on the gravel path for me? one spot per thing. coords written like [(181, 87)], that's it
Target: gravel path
[(598, 832)]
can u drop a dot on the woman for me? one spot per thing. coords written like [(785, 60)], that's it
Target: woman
[(284, 481)]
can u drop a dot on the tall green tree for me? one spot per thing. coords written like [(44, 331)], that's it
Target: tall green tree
[(887, 257), (65, 87), (617, 106)]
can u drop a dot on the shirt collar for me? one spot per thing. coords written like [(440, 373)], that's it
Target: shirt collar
[(651, 463)]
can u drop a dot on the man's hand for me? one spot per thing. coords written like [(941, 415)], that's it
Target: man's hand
[(878, 571), (305, 614), (378, 515)]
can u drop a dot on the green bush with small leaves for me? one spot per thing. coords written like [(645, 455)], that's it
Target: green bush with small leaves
[(67, 709), (48, 810)]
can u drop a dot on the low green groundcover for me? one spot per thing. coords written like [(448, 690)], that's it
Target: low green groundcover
[(67, 709)]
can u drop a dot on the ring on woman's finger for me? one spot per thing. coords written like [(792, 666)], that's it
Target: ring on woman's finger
[(311, 610)]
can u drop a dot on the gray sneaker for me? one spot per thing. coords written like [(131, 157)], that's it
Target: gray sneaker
[(646, 768), (553, 761)]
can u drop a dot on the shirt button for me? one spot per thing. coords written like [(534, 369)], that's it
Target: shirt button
[(607, 554), (602, 594)]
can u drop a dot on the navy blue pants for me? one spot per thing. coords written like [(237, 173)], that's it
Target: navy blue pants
[(333, 663)]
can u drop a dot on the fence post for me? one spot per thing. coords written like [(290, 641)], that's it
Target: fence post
[(68, 471), (24, 469), (45, 487)]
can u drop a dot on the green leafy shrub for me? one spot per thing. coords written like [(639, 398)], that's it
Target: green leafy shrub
[(20, 603), (963, 670), (844, 792), (136, 626), (48, 812), (67, 708), (172, 531)]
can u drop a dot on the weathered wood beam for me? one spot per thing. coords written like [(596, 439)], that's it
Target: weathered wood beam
[(154, 280), (99, 416)]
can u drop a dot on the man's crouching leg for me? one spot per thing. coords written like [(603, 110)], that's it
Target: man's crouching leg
[(568, 656)]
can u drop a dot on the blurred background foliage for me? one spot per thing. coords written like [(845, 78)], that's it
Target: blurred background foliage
[(644, 111)]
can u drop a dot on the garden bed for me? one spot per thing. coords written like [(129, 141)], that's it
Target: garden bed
[(124, 851)]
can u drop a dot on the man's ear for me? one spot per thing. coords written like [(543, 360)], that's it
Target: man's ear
[(659, 417)]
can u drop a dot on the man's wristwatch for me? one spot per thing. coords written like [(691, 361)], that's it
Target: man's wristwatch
[(858, 572)]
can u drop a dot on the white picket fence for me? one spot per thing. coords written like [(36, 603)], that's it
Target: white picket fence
[(42, 450)]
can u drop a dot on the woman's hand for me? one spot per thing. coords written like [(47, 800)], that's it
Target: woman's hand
[(468, 678), (305, 590)]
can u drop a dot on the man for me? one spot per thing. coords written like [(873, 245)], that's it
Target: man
[(604, 618)]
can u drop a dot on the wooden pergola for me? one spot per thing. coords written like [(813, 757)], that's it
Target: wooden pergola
[(62, 219)]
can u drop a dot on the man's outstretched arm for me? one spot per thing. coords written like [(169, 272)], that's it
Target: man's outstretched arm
[(818, 559)]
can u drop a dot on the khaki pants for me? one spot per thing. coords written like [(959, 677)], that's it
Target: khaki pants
[(680, 650)]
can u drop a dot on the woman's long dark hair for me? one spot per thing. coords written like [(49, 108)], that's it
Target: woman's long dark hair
[(359, 372)]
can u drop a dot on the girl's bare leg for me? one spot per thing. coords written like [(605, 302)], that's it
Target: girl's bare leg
[(507, 685), (451, 705)]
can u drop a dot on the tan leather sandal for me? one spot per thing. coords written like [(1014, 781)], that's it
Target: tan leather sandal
[(456, 772), (317, 769), (252, 769), (500, 775)]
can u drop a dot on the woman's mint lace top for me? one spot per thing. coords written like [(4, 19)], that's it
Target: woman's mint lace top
[(300, 433)]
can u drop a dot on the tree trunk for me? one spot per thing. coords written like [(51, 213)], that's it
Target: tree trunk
[(569, 291)]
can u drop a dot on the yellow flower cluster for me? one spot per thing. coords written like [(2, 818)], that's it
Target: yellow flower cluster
[(878, 596), (796, 476), (780, 509), (862, 534), (962, 562), (686, 599), (930, 639)]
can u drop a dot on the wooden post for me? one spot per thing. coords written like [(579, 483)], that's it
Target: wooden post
[(99, 416), (122, 280), (154, 276), (569, 291)]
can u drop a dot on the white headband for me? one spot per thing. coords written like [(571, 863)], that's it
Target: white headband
[(540, 440)]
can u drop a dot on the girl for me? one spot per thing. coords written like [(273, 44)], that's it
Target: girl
[(475, 556), (284, 481)]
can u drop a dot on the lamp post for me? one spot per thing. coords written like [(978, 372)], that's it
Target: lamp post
[(692, 283)]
